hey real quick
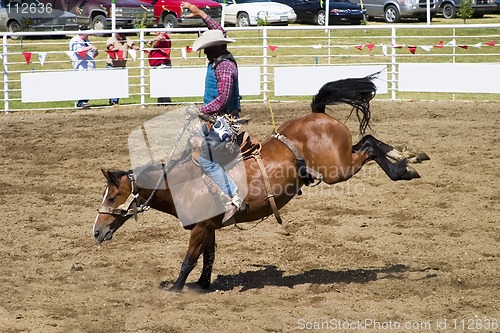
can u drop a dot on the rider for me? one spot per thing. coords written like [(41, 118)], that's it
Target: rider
[(221, 98)]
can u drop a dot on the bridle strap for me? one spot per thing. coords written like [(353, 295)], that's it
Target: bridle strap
[(131, 206)]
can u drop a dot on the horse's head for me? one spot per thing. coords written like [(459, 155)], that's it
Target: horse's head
[(118, 205)]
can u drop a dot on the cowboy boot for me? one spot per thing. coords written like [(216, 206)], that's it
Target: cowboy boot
[(232, 208)]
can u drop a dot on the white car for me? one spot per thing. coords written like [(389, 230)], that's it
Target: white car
[(244, 13)]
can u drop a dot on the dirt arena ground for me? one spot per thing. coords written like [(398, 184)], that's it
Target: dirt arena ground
[(366, 255)]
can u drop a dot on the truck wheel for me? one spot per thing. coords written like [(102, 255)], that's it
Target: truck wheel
[(392, 14), (170, 21), (99, 22), (14, 26), (448, 11)]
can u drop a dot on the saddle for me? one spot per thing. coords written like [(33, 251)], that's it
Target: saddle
[(248, 147)]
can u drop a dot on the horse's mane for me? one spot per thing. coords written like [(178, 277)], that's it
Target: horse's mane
[(357, 92)]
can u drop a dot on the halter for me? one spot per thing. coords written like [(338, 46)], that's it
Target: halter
[(131, 206)]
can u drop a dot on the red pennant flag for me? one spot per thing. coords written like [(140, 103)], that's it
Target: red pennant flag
[(27, 57), (465, 47), (370, 46), (120, 54), (111, 53), (359, 47), (272, 48), (439, 45), (188, 49), (396, 46), (412, 49), (82, 54), (492, 43)]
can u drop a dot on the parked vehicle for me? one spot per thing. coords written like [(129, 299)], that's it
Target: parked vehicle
[(244, 13), (97, 14), (394, 10), (170, 14), (31, 15), (313, 11), (450, 8)]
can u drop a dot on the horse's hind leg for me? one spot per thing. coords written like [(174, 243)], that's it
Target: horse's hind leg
[(378, 151)]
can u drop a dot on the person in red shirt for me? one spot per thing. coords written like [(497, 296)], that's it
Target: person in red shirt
[(159, 55)]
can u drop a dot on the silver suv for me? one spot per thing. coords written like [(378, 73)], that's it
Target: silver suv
[(394, 10)]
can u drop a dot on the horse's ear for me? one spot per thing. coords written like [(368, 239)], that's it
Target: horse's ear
[(105, 173)]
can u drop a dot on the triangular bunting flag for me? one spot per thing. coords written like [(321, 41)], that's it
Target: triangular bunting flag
[(478, 45), (272, 48), (426, 48), (189, 49), (119, 53), (384, 50), (1, 55), (184, 53), (396, 46), (370, 46), (439, 45), (344, 47), (133, 54), (41, 57), (492, 43), (465, 47), (27, 57), (412, 49), (359, 47), (111, 53), (82, 54), (452, 43)]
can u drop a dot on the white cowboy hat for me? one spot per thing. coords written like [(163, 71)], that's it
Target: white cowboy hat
[(211, 38)]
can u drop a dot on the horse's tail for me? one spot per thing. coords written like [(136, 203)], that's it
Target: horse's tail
[(356, 92)]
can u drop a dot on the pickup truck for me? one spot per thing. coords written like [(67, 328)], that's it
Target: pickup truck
[(169, 13)]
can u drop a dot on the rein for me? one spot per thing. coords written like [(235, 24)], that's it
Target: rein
[(132, 206)]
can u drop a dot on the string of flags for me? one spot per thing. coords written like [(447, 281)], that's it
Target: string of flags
[(411, 48), (184, 51)]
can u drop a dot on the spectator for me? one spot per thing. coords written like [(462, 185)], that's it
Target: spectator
[(83, 56), (159, 56), (117, 48)]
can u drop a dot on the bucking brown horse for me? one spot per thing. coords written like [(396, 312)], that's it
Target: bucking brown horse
[(313, 147)]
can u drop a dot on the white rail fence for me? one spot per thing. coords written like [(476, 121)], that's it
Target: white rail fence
[(276, 63)]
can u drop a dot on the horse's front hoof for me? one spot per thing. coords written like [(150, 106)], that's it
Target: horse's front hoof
[(203, 285), (168, 286)]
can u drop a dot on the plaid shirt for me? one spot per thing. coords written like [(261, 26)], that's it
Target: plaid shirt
[(226, 73)]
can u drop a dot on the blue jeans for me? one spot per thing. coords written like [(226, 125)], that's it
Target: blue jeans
[(219, 176), (112, 100)]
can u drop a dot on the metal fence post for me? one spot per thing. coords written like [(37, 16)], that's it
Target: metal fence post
[(393, 63), (264, 63), (5, 74), (142, 71)]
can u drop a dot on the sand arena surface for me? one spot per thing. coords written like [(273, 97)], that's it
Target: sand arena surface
[(364, 251)]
